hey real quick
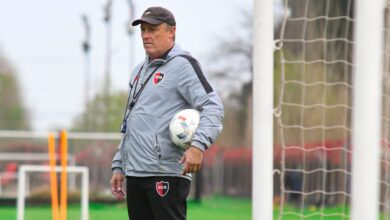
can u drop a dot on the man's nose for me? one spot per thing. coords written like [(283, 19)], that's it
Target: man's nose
[(145, 34)]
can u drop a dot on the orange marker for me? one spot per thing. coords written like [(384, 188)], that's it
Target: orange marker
[(53, 178), (64, 176)]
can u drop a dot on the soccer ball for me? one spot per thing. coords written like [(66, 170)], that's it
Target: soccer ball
[(183, 126)]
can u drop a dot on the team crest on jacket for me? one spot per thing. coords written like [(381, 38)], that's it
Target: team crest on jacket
[(162, 188), (158, 77)]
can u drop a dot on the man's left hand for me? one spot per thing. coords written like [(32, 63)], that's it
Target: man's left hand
[(192, 160)]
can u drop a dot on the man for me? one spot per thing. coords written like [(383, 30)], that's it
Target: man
[(157, 172)]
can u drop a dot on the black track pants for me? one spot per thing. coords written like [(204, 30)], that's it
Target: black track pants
[(157, 198)]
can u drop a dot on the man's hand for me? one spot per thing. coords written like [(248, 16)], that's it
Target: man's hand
[(116, 186), (192, 160)]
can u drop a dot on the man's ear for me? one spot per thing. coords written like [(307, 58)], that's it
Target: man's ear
[(172, 31)]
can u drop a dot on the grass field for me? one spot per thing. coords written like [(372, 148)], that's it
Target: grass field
[(214, 208)]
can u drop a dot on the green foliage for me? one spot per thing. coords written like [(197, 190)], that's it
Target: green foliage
[(103, 114), (13, 114)]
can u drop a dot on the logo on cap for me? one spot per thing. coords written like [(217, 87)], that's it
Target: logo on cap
[(158, 77), (162, 188)]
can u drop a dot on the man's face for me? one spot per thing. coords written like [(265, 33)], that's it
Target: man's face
[(157, 39)]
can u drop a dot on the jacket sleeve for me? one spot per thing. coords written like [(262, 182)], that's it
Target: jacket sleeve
[(196, 90), (116, 165)]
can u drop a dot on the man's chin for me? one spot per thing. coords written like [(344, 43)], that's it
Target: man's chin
[(151, 53), (148, 50)]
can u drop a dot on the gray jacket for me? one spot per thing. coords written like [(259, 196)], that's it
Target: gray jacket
[(178, 83)]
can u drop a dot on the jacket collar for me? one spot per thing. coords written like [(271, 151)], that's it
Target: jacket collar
[(165, 55), (168, 55)]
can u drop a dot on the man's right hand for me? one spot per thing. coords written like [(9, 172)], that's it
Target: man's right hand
[(116, 186)]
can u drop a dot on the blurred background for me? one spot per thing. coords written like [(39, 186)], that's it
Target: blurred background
[(66, 65), (62, 53)]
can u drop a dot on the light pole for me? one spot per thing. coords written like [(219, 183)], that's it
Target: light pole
[(107, 79), (86, 48), (130, 31), (107, 20)]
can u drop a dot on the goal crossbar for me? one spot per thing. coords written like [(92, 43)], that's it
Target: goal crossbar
[(71, 135)]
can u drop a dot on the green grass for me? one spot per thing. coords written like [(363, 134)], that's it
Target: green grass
[(96, 212), (215, 208), (220, 208), (312, 213)]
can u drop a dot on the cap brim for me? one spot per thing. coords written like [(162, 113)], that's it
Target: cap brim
[(147, 20)]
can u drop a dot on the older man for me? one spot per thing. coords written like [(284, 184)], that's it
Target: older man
[(157, 172)]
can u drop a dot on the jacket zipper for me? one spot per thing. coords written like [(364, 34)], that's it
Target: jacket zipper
[(158, 150)]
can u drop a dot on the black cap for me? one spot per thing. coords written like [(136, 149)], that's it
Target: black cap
[(156, 15)]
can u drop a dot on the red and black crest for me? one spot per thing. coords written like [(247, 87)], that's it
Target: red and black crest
[(158, 77), (162, 188)]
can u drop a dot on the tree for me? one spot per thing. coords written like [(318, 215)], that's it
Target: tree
[(103, 113), (13, 114)]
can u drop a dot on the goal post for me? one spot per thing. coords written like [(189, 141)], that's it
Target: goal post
[(262, 188), (366, 118), (24, 169)]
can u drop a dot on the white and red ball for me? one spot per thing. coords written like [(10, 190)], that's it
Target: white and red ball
[(183, 126)]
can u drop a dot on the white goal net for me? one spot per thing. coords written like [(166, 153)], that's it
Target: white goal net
[(314, 99)]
